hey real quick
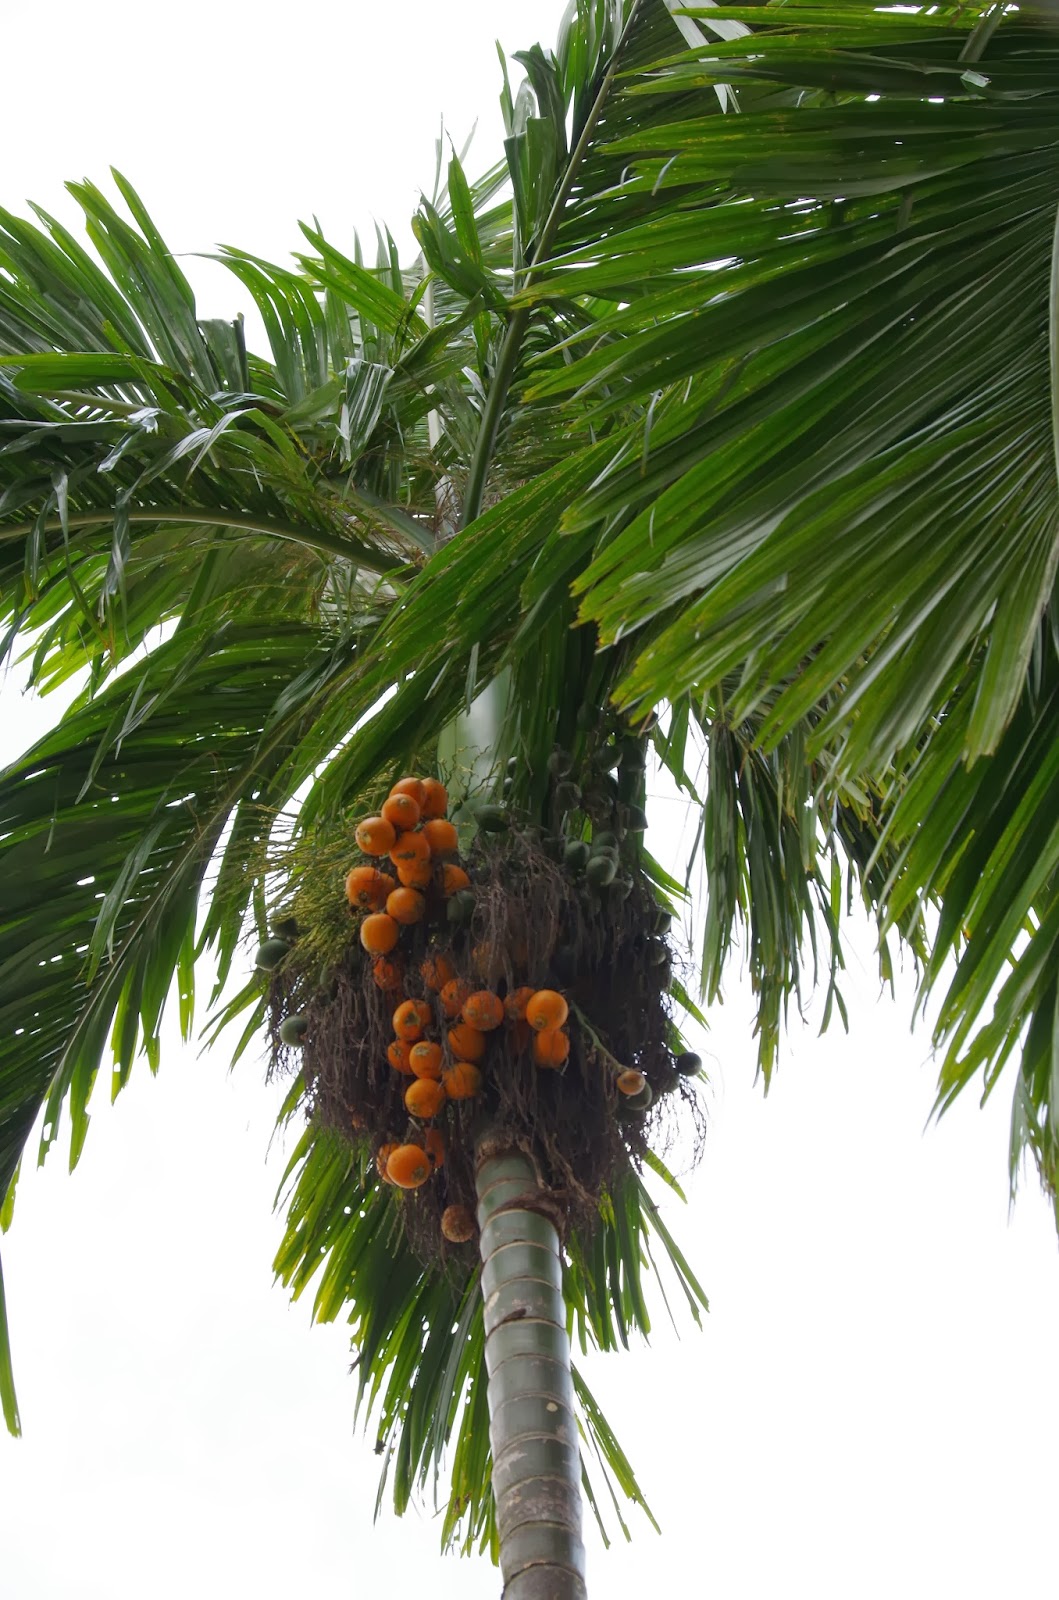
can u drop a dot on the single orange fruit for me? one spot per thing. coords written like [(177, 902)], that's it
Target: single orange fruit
[(408, 1166), (484, 1010), (458, 1224), (412, 786), (388, 975), (437, 970), (547, 1009), (462, 1081), (383, 1156), (406, 906), (376, 836), (397, 1053), (415, 874), (441, 836), (434, 1145), (410, 1020), (409, 847), (364, 888), (401, 810), (425, 1097), (453, 878), (435, 798), (516, 1003), (425, 1058), (378, 933), (453, 994), (550, 1047), (630, 1081), (466, 1043)]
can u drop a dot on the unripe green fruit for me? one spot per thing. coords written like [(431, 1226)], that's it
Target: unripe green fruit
[(575, 855), (601, 870), (460, 908), (270, 954), (688, 1064), (292, 1029), (567, 796)]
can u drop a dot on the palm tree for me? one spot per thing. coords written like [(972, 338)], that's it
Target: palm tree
[(719, 416)]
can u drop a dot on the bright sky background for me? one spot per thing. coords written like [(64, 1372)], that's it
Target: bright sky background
[(871, 1408)]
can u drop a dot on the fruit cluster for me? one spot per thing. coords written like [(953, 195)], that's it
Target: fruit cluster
[(464, 990)]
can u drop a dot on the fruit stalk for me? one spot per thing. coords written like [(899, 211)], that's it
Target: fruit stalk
[(532, 1426)]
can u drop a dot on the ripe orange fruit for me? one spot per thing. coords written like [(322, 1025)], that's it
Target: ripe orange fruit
[(408, 1166), (630, 1081), (453, 878), (388, 975), (415, 874), (378, 933), (365, 888), (406, 906), (547, 1009), (467, 1043), (425, 1097), (434, 1145), (410, 1019), (412, 786), (458, 1224), (550, 1047), (435, 798), (483, 1010), (401, 810), (516, 1003), (441, 836), (462, 1081), (409, 847), (385, 1152), (376, 836), (425, 1058), (437, 970), (397, 1053), (453, 994)]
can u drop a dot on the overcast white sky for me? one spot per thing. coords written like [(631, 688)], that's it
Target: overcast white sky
[(871, 1408)]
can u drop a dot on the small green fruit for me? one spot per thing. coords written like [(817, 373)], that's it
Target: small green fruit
[(560, 763), (635, 818), (688, 1064), (601, 870), (575, 855), (292, 1029), (491, 819), (460, 908), (270, 954), (284, 928), (657, 952), (567, 796), (604, 840)]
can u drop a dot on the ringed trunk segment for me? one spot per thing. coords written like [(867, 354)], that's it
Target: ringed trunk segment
[(532, 1424)]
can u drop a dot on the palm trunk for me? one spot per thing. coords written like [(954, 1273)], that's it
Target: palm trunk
[(532, 1426)]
